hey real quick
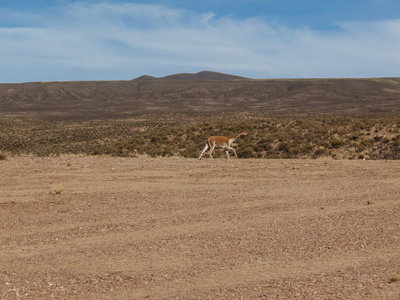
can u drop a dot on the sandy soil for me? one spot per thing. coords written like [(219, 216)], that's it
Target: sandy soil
[(114, 228)]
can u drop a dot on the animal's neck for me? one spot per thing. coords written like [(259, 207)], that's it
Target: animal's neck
[(232, 139), (236, 136)]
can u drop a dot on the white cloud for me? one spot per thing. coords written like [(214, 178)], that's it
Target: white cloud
[(121, 41)]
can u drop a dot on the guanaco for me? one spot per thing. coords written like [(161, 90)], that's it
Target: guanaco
[(222, 142)]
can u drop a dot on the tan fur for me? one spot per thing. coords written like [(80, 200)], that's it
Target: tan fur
[(222, 142)]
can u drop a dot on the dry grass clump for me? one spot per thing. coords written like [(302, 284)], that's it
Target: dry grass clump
[(184, 134), (58, 191), (2, 156), (393, 279)]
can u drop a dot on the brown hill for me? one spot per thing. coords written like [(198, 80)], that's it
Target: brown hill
[(145, 77), (204, 75), (100, 99)]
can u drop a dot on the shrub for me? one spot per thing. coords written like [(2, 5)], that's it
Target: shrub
[(184, 134), (393, 279), (247, 152), (336, 142), (319, 152)]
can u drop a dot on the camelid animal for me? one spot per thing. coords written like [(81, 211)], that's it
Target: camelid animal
[(222, 142)]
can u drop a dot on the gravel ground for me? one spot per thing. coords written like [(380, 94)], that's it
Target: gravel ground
[(175, 228)]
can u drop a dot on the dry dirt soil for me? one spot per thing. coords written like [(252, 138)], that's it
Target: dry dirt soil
[(175, 228)]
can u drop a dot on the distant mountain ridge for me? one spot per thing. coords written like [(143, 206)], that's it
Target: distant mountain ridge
[(111, 99), (203, 75)]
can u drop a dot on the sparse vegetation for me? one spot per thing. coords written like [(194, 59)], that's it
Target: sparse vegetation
[(58, 191), (394, 279), (2, 156), (184, 135)]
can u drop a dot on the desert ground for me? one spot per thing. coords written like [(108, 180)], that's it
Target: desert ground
[(85, 227)]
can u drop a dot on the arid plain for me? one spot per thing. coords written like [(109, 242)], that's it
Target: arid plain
[(103, 227), (176, 228)]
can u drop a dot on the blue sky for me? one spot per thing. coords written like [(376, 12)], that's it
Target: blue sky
[(61, 40)]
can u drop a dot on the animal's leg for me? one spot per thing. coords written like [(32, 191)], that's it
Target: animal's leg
[(227, 154), (211, 151), (234, 151), (204, 150)]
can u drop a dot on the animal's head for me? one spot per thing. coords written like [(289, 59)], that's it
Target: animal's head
[(243, 132)]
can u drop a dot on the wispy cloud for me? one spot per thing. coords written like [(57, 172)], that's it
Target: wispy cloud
[(120, 41)]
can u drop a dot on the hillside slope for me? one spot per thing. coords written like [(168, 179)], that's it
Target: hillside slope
[(99, 99)]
